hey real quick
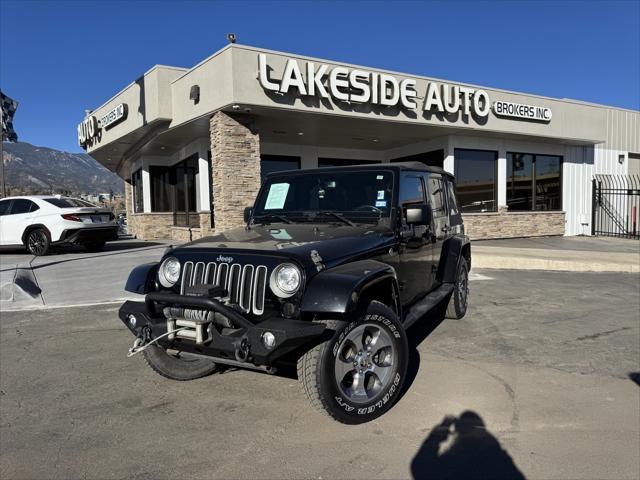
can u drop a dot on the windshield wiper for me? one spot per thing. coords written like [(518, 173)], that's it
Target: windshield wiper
[(339, 217), (273, 215)]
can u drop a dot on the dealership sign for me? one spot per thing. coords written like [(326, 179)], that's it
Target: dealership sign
[(517, 110), (90, 128), (364, 87)]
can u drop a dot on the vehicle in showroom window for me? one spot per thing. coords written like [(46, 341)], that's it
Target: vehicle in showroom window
[(333, 266), (43, 222)]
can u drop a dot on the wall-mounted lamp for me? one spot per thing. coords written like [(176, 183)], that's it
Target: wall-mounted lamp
[(621, 158), (194, 93)]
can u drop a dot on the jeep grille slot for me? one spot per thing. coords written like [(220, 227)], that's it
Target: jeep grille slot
[(246, 285), (233, 285)]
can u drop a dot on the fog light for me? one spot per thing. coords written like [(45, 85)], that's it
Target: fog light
[(132, 321), (268, 340)]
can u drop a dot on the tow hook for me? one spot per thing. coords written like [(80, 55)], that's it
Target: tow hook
[(242, 352)]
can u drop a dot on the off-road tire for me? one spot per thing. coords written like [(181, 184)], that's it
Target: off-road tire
[(93, 246), (177, 368), (316, 368), (38, 242), (458, 303)]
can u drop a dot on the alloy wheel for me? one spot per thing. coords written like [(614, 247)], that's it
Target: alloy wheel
[(37, 242), (365, 362)]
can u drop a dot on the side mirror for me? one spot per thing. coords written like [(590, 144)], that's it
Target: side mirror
[(248, 212), (420, 215)]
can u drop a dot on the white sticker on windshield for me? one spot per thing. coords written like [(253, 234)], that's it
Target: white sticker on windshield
[(277, 196), (380, 194), (381, 203), (379, 177)]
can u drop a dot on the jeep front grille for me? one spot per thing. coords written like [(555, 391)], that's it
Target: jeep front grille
[(246, 285)]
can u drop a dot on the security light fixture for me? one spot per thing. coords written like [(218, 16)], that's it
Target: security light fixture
[(194, 93), (621, 158), (231, 37)]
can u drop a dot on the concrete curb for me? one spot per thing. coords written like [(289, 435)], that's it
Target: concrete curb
[(554, 260)]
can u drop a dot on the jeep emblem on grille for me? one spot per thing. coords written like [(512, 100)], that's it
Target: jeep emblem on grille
[(224, 259)]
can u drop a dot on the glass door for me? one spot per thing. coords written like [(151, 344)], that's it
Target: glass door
[(185, 212)]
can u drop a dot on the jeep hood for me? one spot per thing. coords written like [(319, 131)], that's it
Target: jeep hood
[(333, 242)]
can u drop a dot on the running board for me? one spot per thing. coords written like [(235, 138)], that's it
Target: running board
[(421, 307)]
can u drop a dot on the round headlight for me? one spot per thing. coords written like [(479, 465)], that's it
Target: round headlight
[(285, 280), (169, 272)]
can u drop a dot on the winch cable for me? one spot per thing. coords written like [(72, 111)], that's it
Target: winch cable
[(138, 347)]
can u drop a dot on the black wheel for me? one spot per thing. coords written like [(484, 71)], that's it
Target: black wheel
[(94, 246), (178, 367), (457, 307), (357, 375), (38, 242)]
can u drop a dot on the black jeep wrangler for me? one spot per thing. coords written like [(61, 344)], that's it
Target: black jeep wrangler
[(333, 266)]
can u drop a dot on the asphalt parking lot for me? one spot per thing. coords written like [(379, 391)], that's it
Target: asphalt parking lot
[(545, 360)]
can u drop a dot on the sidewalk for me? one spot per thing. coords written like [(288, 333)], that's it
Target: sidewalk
[(575, 254)]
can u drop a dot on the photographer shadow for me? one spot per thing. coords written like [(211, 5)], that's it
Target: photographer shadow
[(473, 453)]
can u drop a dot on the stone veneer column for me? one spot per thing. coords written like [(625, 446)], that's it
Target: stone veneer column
[(128, 203), (235, 163)]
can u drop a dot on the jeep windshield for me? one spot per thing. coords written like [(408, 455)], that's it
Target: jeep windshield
[(343, 196)]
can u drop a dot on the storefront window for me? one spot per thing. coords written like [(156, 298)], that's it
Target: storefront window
[(136, 188), (277, 163), (161, 187), (475, 172), (533, 182)]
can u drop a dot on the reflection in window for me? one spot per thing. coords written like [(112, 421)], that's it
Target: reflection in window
[(475, 172), (436, 190), (533, 182), (161, 188), (277, 163)]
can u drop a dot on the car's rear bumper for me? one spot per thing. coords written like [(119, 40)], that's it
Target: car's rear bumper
[(242, 343), (89, 235)]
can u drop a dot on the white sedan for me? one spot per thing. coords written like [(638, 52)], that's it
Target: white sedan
[(40, 222)]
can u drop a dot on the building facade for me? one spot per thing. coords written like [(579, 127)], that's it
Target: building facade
[(193, 144)]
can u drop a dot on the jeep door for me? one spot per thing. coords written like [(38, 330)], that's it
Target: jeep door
[(440, 226), (415, 276)]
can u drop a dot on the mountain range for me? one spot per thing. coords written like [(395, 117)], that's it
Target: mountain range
[(41, 170)]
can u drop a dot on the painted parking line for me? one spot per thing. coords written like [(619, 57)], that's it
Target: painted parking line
[(479, 276)]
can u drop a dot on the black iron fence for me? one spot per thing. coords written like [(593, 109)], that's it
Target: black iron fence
[(616, 206)]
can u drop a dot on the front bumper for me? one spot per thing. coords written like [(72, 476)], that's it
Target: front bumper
[(242, 343)]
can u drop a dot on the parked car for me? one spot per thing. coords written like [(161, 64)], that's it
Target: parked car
[(333, 267), (44, 221)]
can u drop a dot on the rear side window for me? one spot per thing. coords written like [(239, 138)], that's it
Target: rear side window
[(65, 202), (4, 207), (437, 192), (22, 205), (453, 201)]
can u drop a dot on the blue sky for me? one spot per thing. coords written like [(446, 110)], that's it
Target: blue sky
[(59, 58)]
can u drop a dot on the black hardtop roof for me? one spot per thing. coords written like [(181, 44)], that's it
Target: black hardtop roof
[(408, 166)]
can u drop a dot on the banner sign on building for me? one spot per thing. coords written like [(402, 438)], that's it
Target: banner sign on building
[(361, 86), (9, 107), (517, 110), (90, 128)]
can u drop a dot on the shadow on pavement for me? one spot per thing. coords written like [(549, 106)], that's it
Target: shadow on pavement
[(105, 253), (473, 453), (417, 334), (635, 377)]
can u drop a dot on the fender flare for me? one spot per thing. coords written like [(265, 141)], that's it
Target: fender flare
[(453, 250), (142, 278), (339, 289)]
